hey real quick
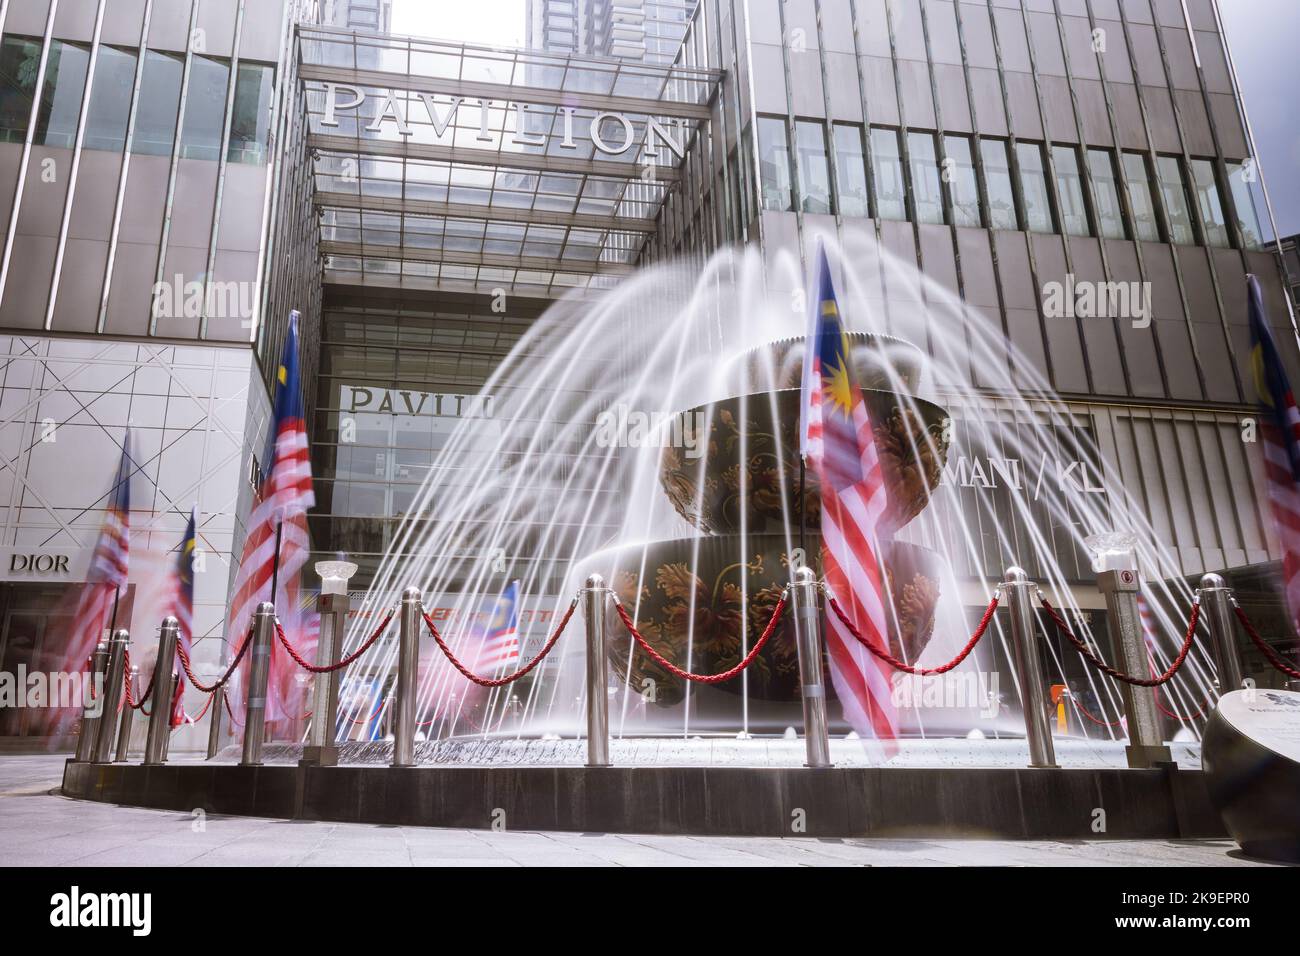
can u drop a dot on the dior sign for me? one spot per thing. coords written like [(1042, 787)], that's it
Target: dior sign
[(610, 133)]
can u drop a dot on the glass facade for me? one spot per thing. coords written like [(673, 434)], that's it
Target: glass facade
[(927, 193), (814, 167), (887, 169), (1137, 175), (1069, 186), (65, 83), (997, 180), (1106, 191), (110, 99), (959, 168), (1173, 191), (1033, 187), (160, 97), (851, 170), (20, 59)]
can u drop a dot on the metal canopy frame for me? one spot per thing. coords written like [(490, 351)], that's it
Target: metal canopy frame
[(471, 208)]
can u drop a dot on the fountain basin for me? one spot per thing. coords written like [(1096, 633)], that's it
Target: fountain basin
[(749, 473), (688, 597)]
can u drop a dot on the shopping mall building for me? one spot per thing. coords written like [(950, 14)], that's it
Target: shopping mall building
[(176, 175)]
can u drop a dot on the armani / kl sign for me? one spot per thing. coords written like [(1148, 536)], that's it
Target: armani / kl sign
[(610, 133)]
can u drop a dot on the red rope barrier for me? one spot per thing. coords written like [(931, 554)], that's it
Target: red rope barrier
[(189, 671), (1105, 668), (1264, 647), (500, 681), (328, 668), (199, 716), (1095, 719), (378, 710), (126, 683), (702, 678), (907, 668), (226, 700)]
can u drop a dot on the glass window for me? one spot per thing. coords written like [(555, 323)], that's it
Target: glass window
[(851, 170), (250, 125), (814, 166), (65, 84), (1241, 177), (887, 168), (1210, 204), (205, 108), (160, 96), (997, 183), (20, 58), (110, 99), (1105, 190), (1033, 187), (959, 173), (1069, 186), (1137, 175), (1173, 190), (774, 164), (926, 188)]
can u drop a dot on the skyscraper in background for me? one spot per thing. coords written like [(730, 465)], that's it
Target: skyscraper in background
[(646, 30), (373, 16)]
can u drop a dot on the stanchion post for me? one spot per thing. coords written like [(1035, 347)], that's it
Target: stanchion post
[(408, 662), (1146, 746), (160, 718), (595, 599), (113, 678), (808, 643), (1216, 599), (215, 710), (259, 670), (124, 725), (321, 749), (92, 709), (1029, 667)]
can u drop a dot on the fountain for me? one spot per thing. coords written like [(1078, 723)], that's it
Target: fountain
[(648, 434)]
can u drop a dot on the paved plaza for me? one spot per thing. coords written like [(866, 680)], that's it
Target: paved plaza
[(39, 827)]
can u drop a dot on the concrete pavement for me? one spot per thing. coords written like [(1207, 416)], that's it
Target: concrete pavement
[(39, 827)]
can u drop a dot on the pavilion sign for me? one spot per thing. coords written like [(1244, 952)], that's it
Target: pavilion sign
[(610, 133)]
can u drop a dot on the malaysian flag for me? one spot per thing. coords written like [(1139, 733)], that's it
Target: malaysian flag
[(836, 438), (282, 501), (106, 575), (500, 644), (1280, 438), (183, 606)]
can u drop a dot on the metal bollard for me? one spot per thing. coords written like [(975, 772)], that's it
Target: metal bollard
[(1145, 742), (321, 749), (594, 599), (124, 725), (172, 681), (89, 732), (808, 641), (160, 718), (258, 673), (113, 677), (214, 722), (1216, 600), (408, 662), (1029, 667)]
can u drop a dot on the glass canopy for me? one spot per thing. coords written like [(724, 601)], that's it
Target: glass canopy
[(446, 165)]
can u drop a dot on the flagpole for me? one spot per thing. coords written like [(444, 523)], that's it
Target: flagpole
[(275, 561), (112, 621), (803, 474)]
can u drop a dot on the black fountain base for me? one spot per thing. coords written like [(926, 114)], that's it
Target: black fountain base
[(1101, 803)]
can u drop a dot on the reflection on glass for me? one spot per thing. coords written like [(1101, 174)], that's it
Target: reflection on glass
[(887, 167), (160, 95), (1105, 190), (20, 58), (850, 170), (1069, 186), (205, 108), (1138, 178), (65, 82), (1210, 204), (926, 188), (1173, 190), (997, 182), (774, 164), (1241, 177), (962, 186), (110, 99), (250, 123), (814, 166), (1033, 187)]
